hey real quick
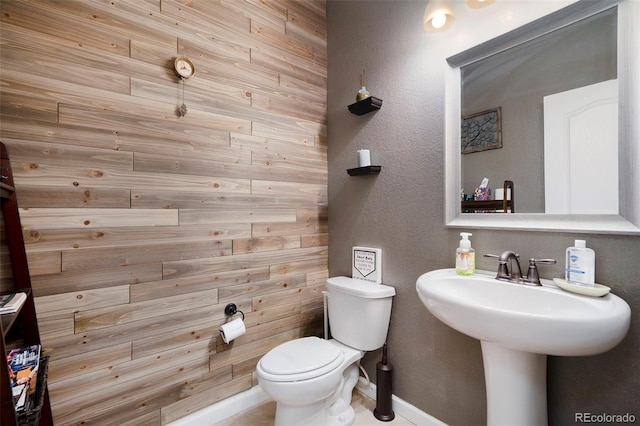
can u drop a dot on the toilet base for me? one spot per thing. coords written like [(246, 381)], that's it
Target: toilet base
[(335, 410)]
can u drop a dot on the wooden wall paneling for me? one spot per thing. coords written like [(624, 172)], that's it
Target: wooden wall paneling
[(52, 218), (55, 325), (121, 403), (76, 366), (204, 398), (57, 153), (190, 267), (56, 22), (205, 95), (223, 281), (181, 335), (278, 189), (96, 339), (212, 19), (49, 262), (302, 70), (172, 361), (48, 175), (72, 197), (112, 257), (201, 216), (44, 240), (113, 314), (141, 225), (121, 117), (314, 240), (81, 280), (192, 144), (301, 227), (88, 299), (19, 107), (230, 293), (254, 245), (219, 201), (228, 162), (310, 17)]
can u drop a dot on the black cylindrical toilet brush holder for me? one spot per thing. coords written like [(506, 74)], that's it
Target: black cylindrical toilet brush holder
[(383, 411)]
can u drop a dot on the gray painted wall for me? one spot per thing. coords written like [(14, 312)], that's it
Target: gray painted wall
[(402, 211)]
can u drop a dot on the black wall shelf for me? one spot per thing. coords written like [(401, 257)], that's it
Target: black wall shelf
[(367, 170), (366, 105)]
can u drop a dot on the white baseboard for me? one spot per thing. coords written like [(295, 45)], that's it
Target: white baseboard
[(248, 399), (224, 409)]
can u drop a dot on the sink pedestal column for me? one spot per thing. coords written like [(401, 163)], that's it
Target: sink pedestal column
[(516, 386)]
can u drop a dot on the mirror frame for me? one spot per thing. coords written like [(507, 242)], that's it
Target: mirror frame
[(628, 220)]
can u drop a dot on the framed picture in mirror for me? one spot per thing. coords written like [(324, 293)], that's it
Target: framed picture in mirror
[(481, 131)]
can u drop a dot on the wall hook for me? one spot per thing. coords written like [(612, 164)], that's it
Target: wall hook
[(231, 309)]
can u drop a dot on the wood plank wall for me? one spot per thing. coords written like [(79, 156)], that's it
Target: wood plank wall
[(141, 225)]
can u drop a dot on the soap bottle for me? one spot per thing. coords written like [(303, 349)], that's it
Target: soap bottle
[(581, 264), (465, 256)]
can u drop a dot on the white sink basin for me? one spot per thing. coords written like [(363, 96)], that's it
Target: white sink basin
[(544, 320), (518, 326)]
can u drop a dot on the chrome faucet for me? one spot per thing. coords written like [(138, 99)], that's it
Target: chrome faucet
[(513, 261)]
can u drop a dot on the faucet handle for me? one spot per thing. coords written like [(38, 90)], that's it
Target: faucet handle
[(535, 261), (532, 274), (503, 270)]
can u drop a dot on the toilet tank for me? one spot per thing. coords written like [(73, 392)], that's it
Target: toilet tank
[(359, 312)]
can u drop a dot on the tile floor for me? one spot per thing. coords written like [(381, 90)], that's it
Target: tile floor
[(264, 414)]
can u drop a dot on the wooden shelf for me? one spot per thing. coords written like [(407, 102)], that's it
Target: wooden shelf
[(367, 170), (366, 105), (472, 206), (21, 326), (482, 206)]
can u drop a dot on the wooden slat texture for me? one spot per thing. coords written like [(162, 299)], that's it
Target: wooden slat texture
[(140, 225)]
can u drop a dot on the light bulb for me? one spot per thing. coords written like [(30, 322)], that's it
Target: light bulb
[(439, 20)]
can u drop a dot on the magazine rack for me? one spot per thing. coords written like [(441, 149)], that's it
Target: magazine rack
[(20, 328)]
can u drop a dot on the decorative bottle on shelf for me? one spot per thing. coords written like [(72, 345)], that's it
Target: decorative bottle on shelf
[(363, 93)]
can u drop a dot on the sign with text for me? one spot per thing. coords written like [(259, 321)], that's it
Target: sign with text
[(367, 264)]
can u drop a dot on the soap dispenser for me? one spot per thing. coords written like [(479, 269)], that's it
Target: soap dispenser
[(465, 256)]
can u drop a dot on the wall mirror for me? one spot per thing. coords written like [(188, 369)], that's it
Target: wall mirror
[(615, 38)]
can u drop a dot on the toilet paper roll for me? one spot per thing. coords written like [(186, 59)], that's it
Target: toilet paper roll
[(232, 330), (499, 193), (364, 158)]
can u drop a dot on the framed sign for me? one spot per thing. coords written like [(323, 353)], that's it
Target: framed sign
[(367, 264)]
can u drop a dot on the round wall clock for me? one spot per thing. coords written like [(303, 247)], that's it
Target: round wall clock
[(184, 67)]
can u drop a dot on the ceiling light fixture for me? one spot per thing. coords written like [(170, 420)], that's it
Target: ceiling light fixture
[(439, 15)]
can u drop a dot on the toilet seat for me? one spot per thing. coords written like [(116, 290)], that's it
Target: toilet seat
[(300, 359)]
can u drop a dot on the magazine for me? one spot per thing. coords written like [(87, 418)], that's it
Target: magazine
[(10, 303), (23, 373)]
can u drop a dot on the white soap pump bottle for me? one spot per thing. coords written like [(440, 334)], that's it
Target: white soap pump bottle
[(465, 256)]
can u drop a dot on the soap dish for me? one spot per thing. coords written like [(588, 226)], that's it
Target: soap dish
[(598, 290)]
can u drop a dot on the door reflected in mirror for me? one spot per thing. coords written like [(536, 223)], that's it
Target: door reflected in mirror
[(517, 81)]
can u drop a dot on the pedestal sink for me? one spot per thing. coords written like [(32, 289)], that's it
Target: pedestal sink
[(518, 326)]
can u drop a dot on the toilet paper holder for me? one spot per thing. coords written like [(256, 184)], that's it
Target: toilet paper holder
[(231, 309)]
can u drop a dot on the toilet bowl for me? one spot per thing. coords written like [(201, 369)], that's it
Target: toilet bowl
[(302, 375), (312, 379)]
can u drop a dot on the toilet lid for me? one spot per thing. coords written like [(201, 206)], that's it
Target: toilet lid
[(306, 357)]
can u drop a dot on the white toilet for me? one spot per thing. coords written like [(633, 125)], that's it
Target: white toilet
[(312, 379)]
